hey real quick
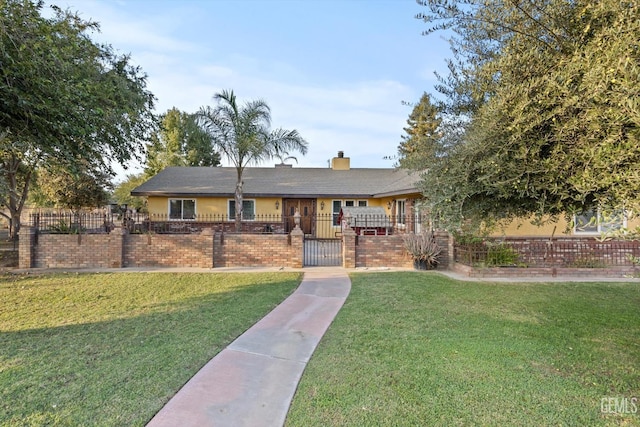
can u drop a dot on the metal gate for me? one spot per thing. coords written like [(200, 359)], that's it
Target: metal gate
[(322, 252)]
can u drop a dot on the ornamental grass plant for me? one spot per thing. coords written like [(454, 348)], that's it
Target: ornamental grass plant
[(422, 247)]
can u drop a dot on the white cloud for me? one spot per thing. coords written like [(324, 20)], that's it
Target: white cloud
[(363, 118)]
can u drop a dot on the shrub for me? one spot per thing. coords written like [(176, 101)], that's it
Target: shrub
[(423, 248), (63, 228), (501, 255)]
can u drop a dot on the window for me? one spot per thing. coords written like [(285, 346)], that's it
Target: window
[(401, 212), (335, 210), (182, 209), (593, 222), (417, 220), (337, 205), (248, 210)]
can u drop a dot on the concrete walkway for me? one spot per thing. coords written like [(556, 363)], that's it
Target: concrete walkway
[(252, 381)]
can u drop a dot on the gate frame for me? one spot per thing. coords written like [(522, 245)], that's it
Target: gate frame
[(332, 252), (320, 249)]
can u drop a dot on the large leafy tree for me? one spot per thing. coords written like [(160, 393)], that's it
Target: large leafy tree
[(179, 142), (243, 134), (63, 98), (122, 191), (61, 188), (547, 101)]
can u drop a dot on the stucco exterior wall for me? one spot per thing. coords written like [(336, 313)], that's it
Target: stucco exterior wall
[(558, 228), (214, 205), (159, 205)]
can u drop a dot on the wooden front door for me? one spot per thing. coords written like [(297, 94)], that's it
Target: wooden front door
[(307, 209)]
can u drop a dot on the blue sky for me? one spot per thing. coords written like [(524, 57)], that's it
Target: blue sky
[(335, 70)]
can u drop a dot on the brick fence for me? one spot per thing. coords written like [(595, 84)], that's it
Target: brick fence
[(385, 251), (168, 250), (210, 249), (559, 252), (258, 250), (502, 272), (207, 249)]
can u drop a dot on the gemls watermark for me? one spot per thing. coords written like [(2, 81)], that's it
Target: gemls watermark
[(619, 405)]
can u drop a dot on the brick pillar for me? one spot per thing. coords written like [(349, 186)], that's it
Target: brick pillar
[(27, 247), (218, 239), (207, 236), (297, 248), (444, 241), (117, 241), (348, 248)]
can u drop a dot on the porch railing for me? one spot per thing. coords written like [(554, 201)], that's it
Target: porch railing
[(319, 225)]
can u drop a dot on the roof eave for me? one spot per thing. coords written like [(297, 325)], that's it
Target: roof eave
[(177, 194), (275, 195), (396, 193)]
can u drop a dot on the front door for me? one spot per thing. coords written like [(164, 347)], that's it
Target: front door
[(306, 207)]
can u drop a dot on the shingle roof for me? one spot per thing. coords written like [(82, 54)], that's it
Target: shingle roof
[(279, 182)]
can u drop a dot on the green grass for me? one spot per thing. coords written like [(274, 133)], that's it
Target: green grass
[(411, 349), (111, 349)]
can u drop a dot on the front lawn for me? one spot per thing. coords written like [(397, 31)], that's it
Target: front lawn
[(111, 349), (411, 349)]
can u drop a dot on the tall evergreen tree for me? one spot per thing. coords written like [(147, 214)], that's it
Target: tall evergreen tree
[(422, 142)]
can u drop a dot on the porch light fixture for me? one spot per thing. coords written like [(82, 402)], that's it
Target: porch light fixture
[(277, 204), (389, 205), (321, 206)]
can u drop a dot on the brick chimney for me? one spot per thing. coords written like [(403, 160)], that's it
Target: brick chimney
[(341, 163)]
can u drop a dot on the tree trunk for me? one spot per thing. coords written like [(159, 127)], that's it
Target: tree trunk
[(239, 200), (16, 197)]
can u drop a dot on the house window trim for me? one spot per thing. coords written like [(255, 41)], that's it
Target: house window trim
[(343, 203), (232, 218), (401, 220), (335, 214), (195, 209), (599, 224)]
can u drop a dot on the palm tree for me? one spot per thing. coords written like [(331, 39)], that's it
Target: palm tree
[(243, 135)]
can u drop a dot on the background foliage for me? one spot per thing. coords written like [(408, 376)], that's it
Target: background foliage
[(68, 103), (541, 109)]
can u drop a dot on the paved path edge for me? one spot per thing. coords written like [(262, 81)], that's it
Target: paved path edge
[(253, 380)]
